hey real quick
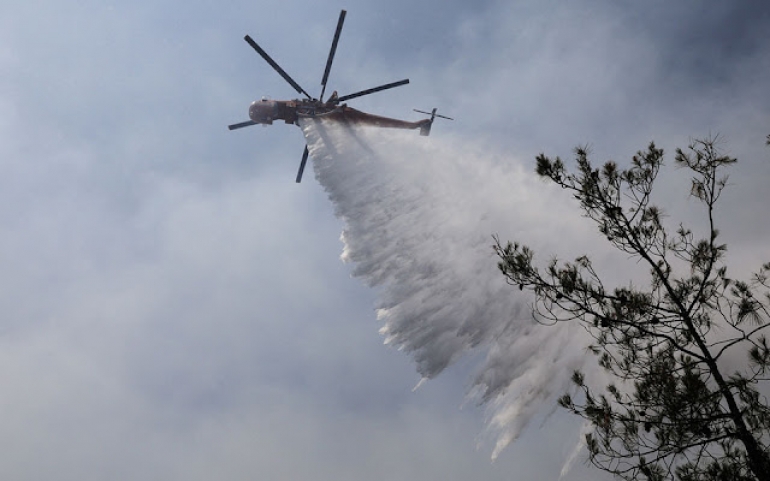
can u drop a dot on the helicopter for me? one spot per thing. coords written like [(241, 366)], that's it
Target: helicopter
[(265, 111)]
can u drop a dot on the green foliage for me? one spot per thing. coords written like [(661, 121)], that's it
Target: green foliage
[(676, 411)]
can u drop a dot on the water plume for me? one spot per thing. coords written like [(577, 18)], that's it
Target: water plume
[(419, 214)]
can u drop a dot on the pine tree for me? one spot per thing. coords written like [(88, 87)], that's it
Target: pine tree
[(676, 409)]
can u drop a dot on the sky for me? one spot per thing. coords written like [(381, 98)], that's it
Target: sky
[(174, 306)]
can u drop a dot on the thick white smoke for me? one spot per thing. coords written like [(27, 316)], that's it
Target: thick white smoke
[(419, 215)]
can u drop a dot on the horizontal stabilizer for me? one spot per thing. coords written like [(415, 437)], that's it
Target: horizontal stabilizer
[(433, 114)]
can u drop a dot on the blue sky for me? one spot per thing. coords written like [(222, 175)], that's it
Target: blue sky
[(174, 305)]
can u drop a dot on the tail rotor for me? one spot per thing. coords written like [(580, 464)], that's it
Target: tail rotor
[(425, 129)]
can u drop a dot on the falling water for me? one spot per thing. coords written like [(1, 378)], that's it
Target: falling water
[(419, 214)]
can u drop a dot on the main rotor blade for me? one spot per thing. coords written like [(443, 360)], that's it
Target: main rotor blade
[(241, 125), (275, 66), (371, 91), (332, 51), (302, 165)]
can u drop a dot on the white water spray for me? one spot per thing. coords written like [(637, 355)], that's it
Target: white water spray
[(419, 216)]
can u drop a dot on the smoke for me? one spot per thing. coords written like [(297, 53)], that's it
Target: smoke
[(419, 214)]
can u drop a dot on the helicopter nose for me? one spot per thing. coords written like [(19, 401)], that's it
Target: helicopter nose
[(253, 114), (261, 112)]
